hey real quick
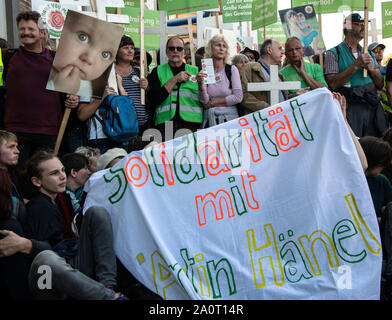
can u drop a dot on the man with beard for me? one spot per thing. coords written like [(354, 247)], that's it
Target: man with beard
[(344, 69), (173, 94), (32, 113)]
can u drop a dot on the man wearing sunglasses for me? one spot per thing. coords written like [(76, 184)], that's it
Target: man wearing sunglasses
[(344, 71), (378, 51), (174, 95)]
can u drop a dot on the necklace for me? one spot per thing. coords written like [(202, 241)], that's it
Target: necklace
[(123, 72)]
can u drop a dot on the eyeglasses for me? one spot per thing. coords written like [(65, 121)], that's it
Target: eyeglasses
[(179, 49), (293, 49), (377, 50)]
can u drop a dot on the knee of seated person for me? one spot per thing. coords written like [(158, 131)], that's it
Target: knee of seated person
[(97, 213), (46, 258)]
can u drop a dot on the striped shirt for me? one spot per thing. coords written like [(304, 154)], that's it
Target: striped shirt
[(132, 87)]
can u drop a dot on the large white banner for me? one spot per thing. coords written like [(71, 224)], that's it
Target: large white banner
[(274, 205)]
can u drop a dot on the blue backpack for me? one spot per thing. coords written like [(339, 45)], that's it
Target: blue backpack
[(119, 119)]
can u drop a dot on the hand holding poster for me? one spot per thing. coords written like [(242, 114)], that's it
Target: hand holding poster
[(85, 54), (274, 205)]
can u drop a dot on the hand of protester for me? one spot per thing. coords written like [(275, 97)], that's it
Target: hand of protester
[(342, 102), (11, 243), (364, 60), (67, 80), (209, 104), (301, 68), (182, 76), (143, 83), (302, 91), (200, 77), (108, 90), (72, 101)]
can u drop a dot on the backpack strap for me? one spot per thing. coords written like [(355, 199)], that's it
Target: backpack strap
[(228, 73)]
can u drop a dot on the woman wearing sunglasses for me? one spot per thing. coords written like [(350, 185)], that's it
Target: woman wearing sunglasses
[(220, 99)]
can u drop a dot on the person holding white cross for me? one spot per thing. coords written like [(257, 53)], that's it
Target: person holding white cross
[(254, 72), (310, 74)]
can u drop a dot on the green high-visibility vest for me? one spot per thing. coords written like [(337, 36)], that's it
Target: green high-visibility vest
[(345, 60), (191, 109), (1, 70)]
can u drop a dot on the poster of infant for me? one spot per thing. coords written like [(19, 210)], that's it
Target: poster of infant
[(84, 57)]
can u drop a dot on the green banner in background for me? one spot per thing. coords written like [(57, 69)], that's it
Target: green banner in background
[(151, 19), (236, 10), (320, 6), (386, 14), (184, 6), (331, 6), (264, 12), (274, 31)]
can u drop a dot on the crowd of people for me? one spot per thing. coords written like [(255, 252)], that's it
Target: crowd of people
[(41, 193)]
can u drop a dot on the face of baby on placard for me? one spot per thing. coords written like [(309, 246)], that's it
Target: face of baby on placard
[(87, 48)]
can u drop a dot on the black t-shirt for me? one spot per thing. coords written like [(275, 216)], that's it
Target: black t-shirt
[(44, 221)]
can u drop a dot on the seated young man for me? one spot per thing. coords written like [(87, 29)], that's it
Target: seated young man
[(72, 199), (379, 154), (83, 268)]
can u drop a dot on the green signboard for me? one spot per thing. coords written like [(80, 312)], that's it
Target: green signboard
[(264, 12), (331, 6), (386, 13), (236, 10), (184, 6), (151, 19), (273, 31)]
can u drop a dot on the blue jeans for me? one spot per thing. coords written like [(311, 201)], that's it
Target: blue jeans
[(86, 276)]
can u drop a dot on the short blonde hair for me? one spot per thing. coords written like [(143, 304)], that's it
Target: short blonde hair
[(213, 40), (6, 136)]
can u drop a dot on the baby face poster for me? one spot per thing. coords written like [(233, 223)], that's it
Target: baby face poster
[(301, 22), (84, 58)]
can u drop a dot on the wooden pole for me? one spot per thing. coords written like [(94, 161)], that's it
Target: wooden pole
[(142, 52), (365, 40), (321, 31), (63, 125), (217, 23), (190, 32)]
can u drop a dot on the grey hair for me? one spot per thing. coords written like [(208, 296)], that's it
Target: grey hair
[(88, 151), (238, 57), (294, 38), (263, 49)]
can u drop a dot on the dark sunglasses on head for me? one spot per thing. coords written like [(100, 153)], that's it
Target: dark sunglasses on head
[(179, 49)]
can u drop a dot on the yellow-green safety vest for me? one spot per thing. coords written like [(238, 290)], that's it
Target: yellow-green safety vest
[(1, 70), (191, 109)]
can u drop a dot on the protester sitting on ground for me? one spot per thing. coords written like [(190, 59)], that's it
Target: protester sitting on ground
[(379, 155), (309, 74), (239, 60), (110, 158), (72, 199), (13, 269), (83, 268), (92, 154), (220, 100)]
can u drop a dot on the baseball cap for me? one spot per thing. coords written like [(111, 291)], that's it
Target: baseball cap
[(374, 45), (108, 156)]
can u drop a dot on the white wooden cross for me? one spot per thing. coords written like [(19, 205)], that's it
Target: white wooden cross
[(163, 30), (374, 32), (274, 85)]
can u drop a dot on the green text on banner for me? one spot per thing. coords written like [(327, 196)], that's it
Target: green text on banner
[(264, 12), (386, 8), (236, 10), (184, 6)]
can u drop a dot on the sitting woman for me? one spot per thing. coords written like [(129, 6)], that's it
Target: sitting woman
[(13, 269), (220, 99)]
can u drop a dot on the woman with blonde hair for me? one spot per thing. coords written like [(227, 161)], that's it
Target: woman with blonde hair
[(220, 99)]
